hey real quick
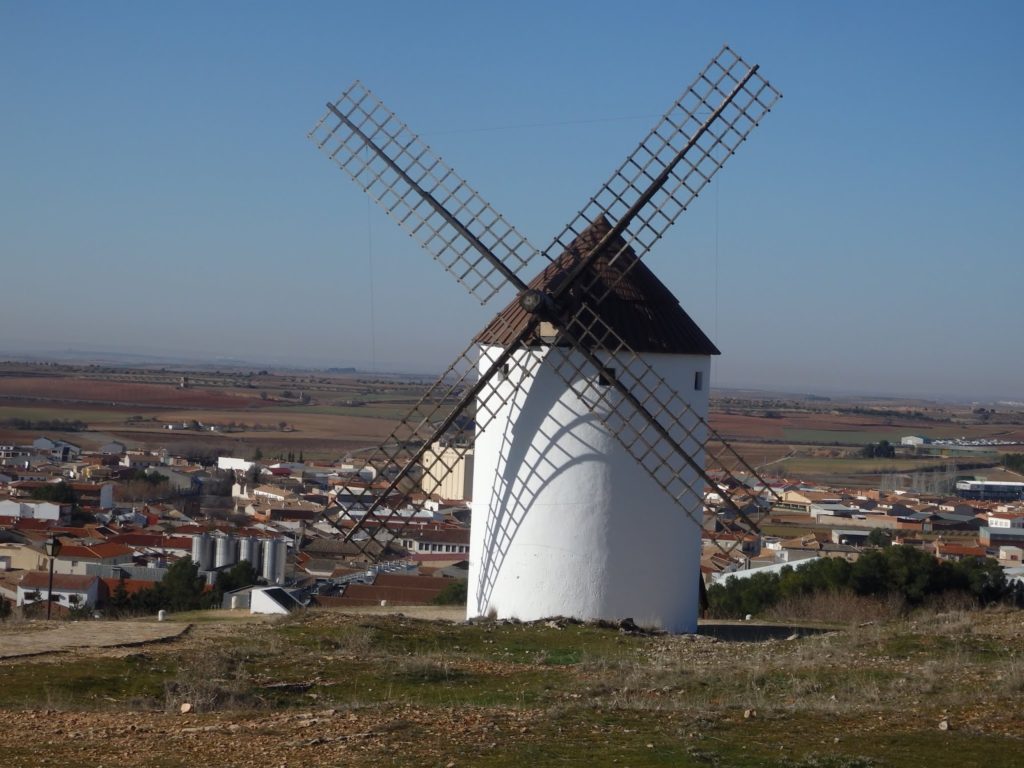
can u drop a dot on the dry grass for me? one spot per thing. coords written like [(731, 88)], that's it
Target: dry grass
[(841, 608), (211, 681), (846, 697)]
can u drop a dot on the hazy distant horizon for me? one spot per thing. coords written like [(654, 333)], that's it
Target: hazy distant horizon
[(130, 358), (160, 195)]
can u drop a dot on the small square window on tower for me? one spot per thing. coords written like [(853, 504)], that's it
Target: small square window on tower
[(698, 380)]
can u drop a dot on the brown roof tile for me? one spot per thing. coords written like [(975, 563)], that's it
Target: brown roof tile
[(638, 307), (61, 581)]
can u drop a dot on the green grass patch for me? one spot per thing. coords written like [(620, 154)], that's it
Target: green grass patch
[(98, 684), (497, 694), (374, 411), (70, 413)]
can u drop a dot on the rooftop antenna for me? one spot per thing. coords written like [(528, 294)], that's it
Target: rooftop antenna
[(584, 400)]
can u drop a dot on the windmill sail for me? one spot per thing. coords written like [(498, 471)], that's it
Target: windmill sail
[(426, 197), (675, 161), (584, 291)]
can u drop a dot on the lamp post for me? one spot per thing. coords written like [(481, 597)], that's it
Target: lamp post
[(52, 549)]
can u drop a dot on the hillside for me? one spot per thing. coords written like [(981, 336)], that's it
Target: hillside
[(327, 689)]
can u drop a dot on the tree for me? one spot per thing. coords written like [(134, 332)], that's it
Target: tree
[(883, 449), (240, 575), (119, 601), (182, 586), (59, 493), (880, 537), (1014, 461), (454, 593), (912, 573)]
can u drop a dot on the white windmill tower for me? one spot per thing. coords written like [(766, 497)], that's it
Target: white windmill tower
[(589, 391), (560, 500)]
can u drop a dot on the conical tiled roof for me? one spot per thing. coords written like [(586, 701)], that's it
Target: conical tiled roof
[(639, 308)]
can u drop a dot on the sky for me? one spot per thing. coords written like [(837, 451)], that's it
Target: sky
[(158, 194)]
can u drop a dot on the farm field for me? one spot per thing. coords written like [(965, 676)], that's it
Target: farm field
[(850, 429), (327, 416)]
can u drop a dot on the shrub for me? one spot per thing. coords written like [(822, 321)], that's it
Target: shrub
[(910, 574), (454, 593)]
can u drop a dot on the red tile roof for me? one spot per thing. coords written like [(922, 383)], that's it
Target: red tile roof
[(61, 581), (638, 307), (131, 586)]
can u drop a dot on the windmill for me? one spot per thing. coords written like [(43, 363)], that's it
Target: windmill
[(588, 393)]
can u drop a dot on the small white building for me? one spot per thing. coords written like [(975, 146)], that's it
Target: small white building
[(229, 462), (447, 471), (1011, 555), (70, 591), (1005, 520), (914, 440), (33, 510), (58, 450)]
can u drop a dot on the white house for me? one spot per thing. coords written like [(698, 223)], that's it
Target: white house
[(229, 462), (35, 510), (1011, 555), (1005, 520), (56, 449), (74, 559), (71, 591)]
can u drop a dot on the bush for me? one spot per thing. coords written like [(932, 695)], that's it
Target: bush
[(909, 574), (454, 593)]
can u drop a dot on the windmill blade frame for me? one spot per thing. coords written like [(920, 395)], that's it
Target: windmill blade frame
[(419, 428), (424, 195), (660, 178), (645, 195)]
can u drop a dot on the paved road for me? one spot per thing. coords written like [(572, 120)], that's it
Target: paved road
[(68, 636)]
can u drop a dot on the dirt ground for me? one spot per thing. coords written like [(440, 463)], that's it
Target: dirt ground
[(81, 390), (478, 696), (57, 637)]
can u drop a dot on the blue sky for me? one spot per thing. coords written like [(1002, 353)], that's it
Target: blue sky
[(159, 194)]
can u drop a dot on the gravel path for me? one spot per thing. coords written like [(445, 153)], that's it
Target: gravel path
[(68, 636)]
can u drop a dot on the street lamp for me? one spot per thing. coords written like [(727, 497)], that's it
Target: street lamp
[(52, 549)]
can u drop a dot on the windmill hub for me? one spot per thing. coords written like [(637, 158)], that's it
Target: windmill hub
[(533, 301)]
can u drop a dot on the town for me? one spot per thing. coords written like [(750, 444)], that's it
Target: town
[(89, 533)]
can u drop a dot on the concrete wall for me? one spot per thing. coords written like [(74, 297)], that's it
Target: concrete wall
[(22, 557), (454, 484)]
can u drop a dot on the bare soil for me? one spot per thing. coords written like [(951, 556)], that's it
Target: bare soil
[(376, 688)]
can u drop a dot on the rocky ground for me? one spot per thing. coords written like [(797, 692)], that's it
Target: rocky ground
[(330, 689)]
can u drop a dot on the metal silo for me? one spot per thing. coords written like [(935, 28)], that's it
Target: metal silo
[(202, 550), (226, 553), (249, 548), (273, 561)]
